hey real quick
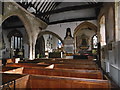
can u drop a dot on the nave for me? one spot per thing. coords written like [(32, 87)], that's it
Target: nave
[(59, 44)]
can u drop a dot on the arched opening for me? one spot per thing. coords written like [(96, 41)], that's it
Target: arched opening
[(16, 44), (40, 47), (15, 37), (47, 42), (83, 35)]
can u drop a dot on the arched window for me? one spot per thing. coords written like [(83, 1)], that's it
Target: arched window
[(102, 31), (16, 40), (95, 41)]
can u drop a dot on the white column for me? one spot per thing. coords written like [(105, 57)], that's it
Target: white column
[(33, 53), (30, 51)]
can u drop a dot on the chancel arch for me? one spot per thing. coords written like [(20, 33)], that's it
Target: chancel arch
[(83, 34)]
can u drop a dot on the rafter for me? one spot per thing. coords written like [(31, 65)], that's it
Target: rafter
[(45, 8), (56, 4), (72, 8), (72, 20)]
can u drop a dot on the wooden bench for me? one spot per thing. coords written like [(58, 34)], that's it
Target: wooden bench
[(70, 62), (60, 61), (65, 74), (10, 77), (42, 81), (73, 66), (12, 81), (34, 61), (93, 74), (64, 66), (27, 65), (4, 68)]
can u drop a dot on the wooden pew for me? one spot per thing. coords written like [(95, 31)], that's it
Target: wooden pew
[(73, 66), (34, 61), (14, 81), (70, 62), (64, 66), (10, 77), (63, 75), (43, 81), (27, 65), (61, 61), (4, 68), (93, 74)]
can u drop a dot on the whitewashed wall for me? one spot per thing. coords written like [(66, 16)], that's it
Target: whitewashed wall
[(111, 62), (119, 21), (60, 29)]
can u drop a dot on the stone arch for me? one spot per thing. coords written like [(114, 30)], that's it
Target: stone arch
[(52, 33), (82, 29), (26, 25), (82, 25)]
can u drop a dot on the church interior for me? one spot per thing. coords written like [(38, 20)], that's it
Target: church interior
[(59, 44)]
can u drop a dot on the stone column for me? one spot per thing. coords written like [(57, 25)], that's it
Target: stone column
[(30, 51), (33, 51), (34, 38)]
